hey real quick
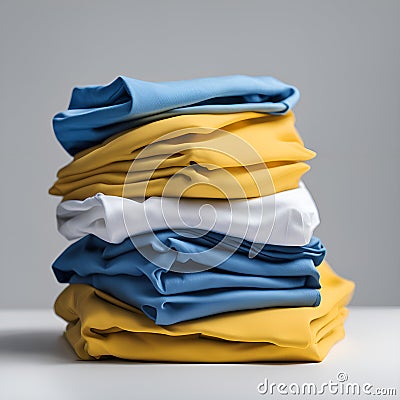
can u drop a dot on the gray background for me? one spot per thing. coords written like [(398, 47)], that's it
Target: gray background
[(342, 55)]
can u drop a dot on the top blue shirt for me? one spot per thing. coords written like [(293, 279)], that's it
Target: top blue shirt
[(98, 112)]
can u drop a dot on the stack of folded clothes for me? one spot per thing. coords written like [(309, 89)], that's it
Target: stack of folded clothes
[(195, 231)]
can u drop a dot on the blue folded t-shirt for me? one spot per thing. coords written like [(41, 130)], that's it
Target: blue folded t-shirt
[(148, 273), (98, 112)]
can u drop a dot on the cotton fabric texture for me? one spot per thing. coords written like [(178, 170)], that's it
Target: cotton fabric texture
[(172, 277), (195, 232), (287, 218), (97, 112), (99, 326), (232, 156)]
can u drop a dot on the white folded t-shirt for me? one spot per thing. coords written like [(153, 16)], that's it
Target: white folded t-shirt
[(287, 218)]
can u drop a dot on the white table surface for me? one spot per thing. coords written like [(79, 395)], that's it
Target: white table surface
[(37, 363)]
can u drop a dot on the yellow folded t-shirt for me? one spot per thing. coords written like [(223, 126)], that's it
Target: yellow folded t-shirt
[(101, 327), (207, 155)]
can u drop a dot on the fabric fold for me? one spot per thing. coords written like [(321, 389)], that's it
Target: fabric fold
[(100, 326), (287, 218), (173, 278), (205, 156), (97, 112)]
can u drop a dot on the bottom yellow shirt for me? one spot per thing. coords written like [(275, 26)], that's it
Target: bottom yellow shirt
[(102, 327)]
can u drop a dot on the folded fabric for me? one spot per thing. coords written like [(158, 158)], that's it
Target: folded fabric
[(97, 112), (100, 326), (186, 251), (194, 181), (218, 156), (225, 282), (171, 309), (287, 218)]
